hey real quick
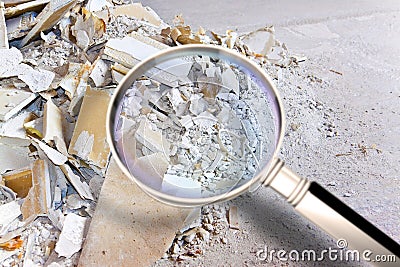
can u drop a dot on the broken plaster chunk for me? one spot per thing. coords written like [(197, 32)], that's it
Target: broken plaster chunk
[(151, 139), (81, 187), (178, 103), (89, 138), (233, 218), (118, 72), (39, 197), (99, 73), (12, 101), (71, 237), (37, 80), (9, 58), (8, 213), (49, 38), (74, 201)]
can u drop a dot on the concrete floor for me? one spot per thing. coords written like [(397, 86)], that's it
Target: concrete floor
[(359, 39)]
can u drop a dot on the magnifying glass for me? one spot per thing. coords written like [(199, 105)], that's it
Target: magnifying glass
[(199, 124)]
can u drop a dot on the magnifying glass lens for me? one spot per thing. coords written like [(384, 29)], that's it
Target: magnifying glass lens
[(196, 125)]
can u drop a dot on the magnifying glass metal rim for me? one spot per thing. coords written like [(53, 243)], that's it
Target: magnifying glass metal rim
[(138, 70)]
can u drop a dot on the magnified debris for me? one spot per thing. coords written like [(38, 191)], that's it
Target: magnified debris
[(205, 129)]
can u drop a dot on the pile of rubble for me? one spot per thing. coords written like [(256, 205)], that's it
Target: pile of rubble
[(59, 64)]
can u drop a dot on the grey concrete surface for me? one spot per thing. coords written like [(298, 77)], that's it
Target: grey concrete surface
[(360, 40)]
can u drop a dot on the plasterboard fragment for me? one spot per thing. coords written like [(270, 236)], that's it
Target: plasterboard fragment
[(129, 50), (233, 218), (55, 218), (134, 48), (18, 27), (21, 7), (53, 126), (20, 181), (81, 187), (14, 153), (14, 127), (3, 28), (71, 237), (12, 101), (8, 213), (99, 73), (155, 224), (137, 10), (54, 155), (90, 131), (38, 199), (183, 35), (74, 201), (50, 15), (38, 80)]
